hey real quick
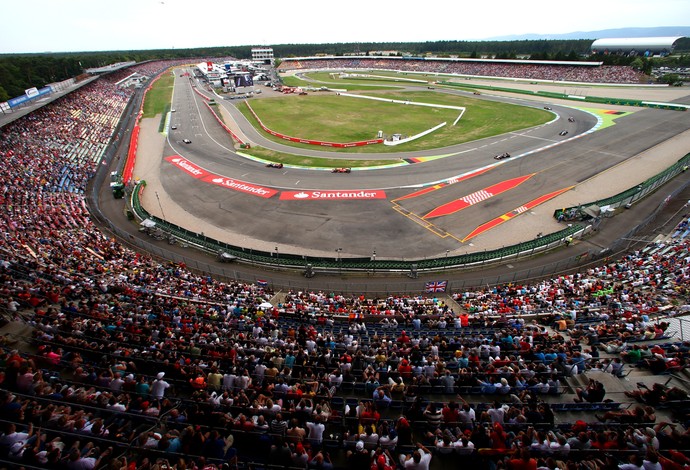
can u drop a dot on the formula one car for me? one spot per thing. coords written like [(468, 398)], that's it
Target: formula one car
[(341, 170), (274, 165), (547, 108), (477, 93), (563, 133), (186, 141), (502, 156), (571, 119)]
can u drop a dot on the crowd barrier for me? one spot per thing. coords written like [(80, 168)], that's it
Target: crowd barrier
[(354, 264), (222, 124), (366, 264), (627, 197), (126, 176), (131, 155), (196, 90)]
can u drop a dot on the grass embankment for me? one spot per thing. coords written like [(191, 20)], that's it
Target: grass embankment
[(159, 97)]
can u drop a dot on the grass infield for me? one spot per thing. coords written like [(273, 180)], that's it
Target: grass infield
[(159, 97), (318, 79), (343, 119)]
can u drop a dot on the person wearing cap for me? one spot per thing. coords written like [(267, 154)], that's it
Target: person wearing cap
[(359, 458), (405, 369), (382, 460), (159, 387), (388, 438), (300, 456)]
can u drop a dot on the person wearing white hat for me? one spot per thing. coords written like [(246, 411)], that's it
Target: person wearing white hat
[(159, 386)]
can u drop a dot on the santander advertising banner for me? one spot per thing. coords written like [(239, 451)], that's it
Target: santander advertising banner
[(199, 173), (240, 186), (261, 191), (187, 166), (356, 194)]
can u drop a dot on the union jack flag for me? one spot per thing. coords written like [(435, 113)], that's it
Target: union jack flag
[(436, 286)]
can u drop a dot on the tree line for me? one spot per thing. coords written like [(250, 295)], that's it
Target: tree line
[(19, 72)]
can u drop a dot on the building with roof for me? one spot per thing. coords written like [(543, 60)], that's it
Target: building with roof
[(262, 54), (635, 46)]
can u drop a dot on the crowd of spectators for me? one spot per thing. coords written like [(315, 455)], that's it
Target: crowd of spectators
[(140, 364), (480, 68)]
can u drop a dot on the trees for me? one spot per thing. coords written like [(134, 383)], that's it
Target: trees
[(21, 71), (670, 78)]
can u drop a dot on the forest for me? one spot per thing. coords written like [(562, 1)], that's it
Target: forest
[(19, 72)]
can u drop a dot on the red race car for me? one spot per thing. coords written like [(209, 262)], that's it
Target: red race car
[(274, 165), (341, 170)]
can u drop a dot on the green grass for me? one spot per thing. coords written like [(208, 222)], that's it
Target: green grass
[(313, 162), (159, 96), (342, 119), (324, 79)]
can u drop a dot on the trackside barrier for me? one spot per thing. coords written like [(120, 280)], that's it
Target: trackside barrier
[(222, 124), (312, 142), (564, 96), (128, 168), (330, 264), (196, 90), (629, 196)]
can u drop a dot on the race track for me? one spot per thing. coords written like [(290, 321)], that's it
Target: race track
[(429, 208)]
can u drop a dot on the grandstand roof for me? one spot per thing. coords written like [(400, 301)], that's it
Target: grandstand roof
[(446, 59), (109, 68), (657, 44)]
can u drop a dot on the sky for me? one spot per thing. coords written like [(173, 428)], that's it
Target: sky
[(100, 25)]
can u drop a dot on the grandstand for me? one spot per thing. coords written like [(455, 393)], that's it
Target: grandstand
[(111, 359), (584, 72)]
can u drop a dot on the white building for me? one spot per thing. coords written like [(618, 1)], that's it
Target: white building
[(262, 54)]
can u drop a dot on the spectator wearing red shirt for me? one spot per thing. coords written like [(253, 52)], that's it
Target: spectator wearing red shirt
[(523, 462), (450, 414), (405, 369)]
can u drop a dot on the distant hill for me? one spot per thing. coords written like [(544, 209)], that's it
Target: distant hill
[(661, 31)]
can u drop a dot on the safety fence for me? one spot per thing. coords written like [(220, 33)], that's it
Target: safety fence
[(339, 264), (565, 96), (627, 197), (222, 124)]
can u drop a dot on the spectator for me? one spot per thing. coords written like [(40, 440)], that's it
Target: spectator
[(594, 393), (417, 460)]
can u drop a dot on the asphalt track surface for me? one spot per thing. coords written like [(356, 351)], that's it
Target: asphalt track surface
[(394, 227)]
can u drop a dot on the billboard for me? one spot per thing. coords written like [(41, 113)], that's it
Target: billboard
[(25, 97), (243, 80)]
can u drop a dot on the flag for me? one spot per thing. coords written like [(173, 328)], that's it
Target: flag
[(436, 286), (261, 283)]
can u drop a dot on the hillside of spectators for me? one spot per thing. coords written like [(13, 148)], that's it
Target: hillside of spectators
[(133, 363), (484, 68)]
